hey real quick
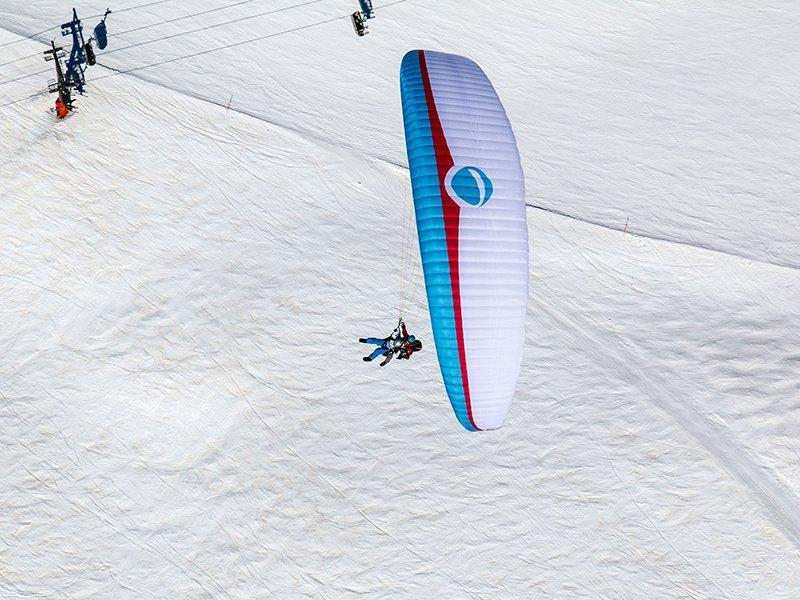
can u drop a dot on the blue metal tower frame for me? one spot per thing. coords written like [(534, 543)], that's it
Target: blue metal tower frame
[(74, 76)]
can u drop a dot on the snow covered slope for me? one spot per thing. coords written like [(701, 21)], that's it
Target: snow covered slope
[(183, 409)]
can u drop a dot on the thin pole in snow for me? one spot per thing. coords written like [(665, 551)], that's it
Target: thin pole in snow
[(626, 225), (229, 103)]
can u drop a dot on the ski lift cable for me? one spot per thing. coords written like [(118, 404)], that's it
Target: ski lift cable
[(239, 43), (34, 35), (200, 53), (225, 47), (12, 102), (180, 33), (37, 55), (151, 25), (116, 11), (21, 77), (207, 27), (197, 14)]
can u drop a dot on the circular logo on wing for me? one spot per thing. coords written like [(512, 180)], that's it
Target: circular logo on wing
[(468, 186)]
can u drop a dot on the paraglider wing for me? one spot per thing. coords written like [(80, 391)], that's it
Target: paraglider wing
[(469, 203)]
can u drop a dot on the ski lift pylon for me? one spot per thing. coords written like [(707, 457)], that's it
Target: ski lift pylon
[(59, 85), (74, 76)]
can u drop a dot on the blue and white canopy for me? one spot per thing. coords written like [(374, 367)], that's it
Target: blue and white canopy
[(469, 193)]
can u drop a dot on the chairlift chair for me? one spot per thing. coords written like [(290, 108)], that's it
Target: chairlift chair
[(91, 59), (359, 23), (366, 9)]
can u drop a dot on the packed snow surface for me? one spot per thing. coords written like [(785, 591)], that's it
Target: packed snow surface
[(189, 258)]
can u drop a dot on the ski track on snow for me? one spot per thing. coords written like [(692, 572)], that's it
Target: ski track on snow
[(779, 505), (657, 238), (783, 511), (304, 134), (321, 140)]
